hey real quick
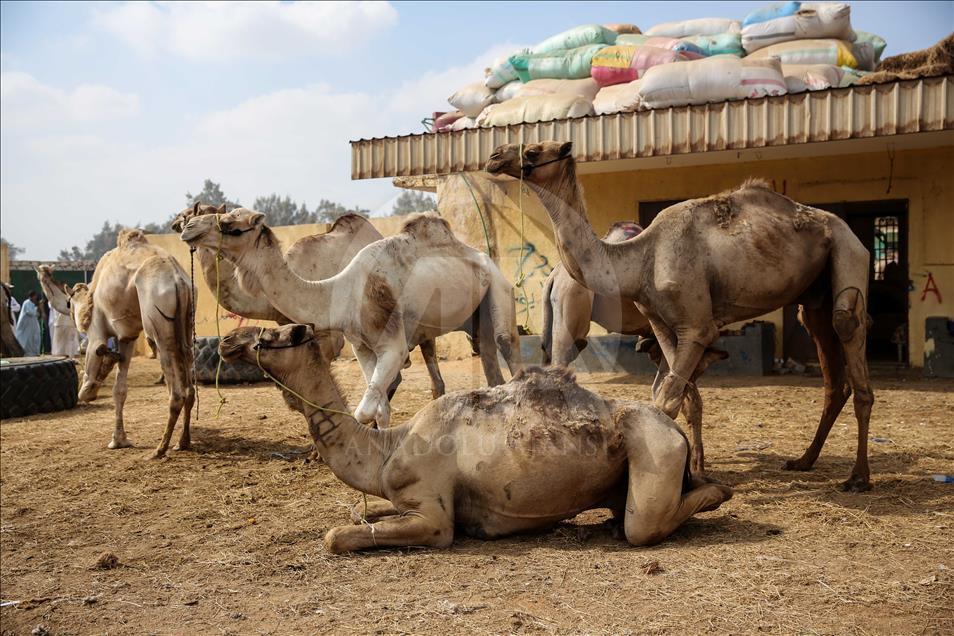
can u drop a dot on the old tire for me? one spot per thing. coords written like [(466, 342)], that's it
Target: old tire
[(37, 385), (207, 360)]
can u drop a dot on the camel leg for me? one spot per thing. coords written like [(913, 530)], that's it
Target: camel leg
[(374, 406), (120, 390), (655, 503), (503, 322), (488, 344), (690, 346), (692, 410), (376, 509), (850, 322), (433, 370), (181, 395), (431, 526), (832, 362)]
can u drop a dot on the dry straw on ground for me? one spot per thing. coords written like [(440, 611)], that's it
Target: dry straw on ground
[(227, 539)]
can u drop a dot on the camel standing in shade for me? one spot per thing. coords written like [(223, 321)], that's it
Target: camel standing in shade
[(488, 463), (705, 263), (394, 294), (136, 288)]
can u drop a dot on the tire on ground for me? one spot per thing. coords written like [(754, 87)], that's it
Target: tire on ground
[(207, 360), (37, 385)]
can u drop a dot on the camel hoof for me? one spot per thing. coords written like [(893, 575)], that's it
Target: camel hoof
[(715, 496), (856, 484), (796, 464), (158, 454), (123, 443), (333, 542), (183, 446)]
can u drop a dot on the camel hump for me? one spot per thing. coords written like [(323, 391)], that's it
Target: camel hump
[(622, 231), (429, 227), (132, 236), (349, 222), (755, 183)]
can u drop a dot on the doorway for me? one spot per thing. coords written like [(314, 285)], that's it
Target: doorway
[(883, 228)]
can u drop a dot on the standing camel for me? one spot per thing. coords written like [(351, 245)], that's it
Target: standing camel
[(314, 257), (705, 263), (137, 287), (394, 294), (491, 462)]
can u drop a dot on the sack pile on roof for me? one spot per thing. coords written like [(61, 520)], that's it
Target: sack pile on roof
[(787, 47)]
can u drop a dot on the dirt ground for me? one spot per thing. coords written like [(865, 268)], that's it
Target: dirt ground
[(228, 538)]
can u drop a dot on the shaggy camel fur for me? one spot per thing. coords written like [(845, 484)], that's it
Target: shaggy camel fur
[(705, 263), (930, 62), (491, 462), (314, 257), (9, 345), (396, 293), (137, 287)]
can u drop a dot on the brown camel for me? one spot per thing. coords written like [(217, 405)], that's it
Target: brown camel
[(9, 345), (705, 263), (492, 462), (314, 257), (137, 287), (394, 294)]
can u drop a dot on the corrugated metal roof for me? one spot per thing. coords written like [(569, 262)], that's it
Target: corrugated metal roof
[(857, 112)]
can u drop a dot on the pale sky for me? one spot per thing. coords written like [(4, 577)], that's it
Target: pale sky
[(112, 111)]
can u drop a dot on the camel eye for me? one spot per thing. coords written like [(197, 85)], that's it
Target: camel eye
[(532, 155)]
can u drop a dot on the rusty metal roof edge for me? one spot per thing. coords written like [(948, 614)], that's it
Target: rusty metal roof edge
[(748, 100)]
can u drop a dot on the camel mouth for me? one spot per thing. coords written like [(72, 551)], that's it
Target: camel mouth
[(231, 349), (192, 232)]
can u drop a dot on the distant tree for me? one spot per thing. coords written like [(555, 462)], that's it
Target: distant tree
[(211, 194), (283, 211), (12, 249), (327, 211), (102, 242), (413, 201)]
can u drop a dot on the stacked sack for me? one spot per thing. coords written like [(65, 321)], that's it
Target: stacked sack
[(613, 68)]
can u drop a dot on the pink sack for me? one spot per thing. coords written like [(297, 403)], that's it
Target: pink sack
[(621, 64)]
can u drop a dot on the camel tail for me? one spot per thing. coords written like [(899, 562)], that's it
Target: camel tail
[(546, 337)]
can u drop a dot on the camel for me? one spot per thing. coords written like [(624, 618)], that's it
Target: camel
[(9, 345), (705, 263), (314, 257), (396, 293), (568, 309), (490, 462), (137, 287)]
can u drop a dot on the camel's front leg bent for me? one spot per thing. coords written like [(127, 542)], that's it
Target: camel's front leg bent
[(428, 527), (655, 503), (374, 405)]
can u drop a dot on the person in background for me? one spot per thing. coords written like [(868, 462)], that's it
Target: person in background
[(64, 334), (28, 326), (14, 308), (43, 316)]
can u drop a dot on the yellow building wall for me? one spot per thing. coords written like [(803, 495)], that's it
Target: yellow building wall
[(923, 177)]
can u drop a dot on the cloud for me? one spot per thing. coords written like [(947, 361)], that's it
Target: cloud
[(224, 31), (292, 141), (27, 104)]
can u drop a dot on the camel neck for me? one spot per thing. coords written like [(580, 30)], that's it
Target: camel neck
[(592, 262), (355, 453), (231, 296), (302, 301)]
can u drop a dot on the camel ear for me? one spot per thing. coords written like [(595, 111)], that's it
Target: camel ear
[(298, 334), (256, 218), (566, 149), (222, 209), (195, 208)]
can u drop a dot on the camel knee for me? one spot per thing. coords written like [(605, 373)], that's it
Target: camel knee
[(502, 341), (846, 324)]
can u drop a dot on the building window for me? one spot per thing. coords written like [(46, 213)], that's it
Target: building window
[(886, 245)]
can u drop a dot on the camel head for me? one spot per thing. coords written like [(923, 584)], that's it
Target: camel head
[(234, 233), (57, 292), (280, 351), (539, 163), (80, 305), (198, 209)]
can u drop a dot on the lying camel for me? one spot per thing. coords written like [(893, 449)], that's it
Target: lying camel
[(492, 462), (314, 257), (137, 287), (396, 293), (705, 263)]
